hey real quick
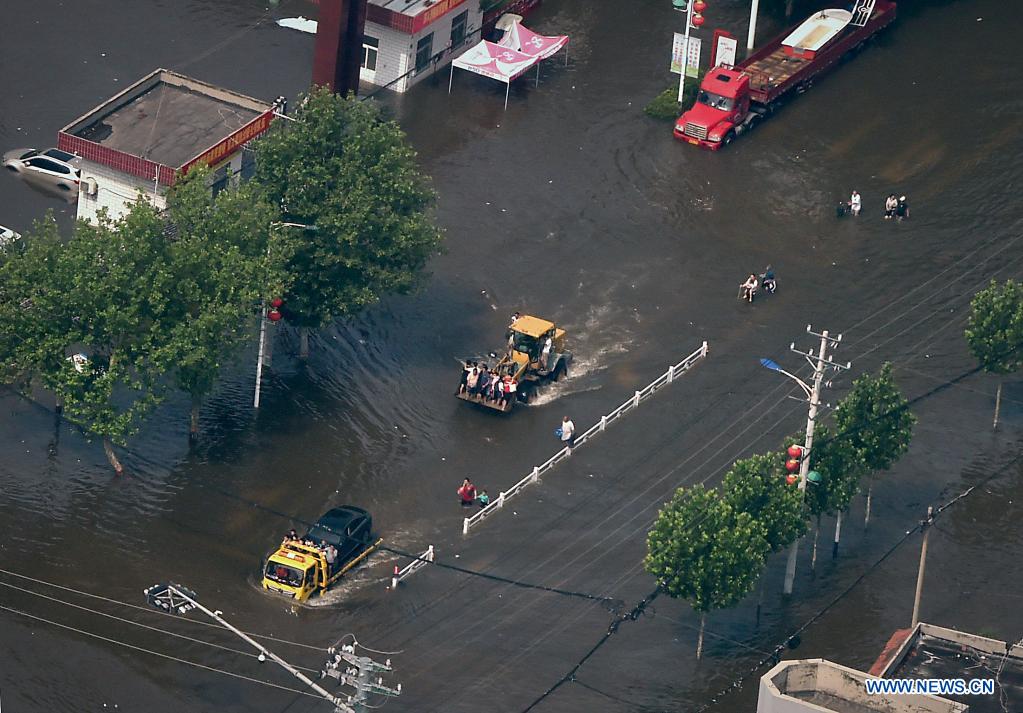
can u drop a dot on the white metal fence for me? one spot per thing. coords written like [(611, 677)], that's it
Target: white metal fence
[(412, 567), (533, 476)]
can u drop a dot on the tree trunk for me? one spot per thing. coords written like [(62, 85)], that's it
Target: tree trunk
[(866, 516), (699, 639), (108, 448), (303, 342), (59, 407), (816, 534), (838, 535), (998, 404), (193, 428), (789, 6)]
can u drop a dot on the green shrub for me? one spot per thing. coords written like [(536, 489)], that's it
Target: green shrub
[(665, 107)]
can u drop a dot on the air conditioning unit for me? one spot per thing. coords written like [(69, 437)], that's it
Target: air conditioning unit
[(89, 186)]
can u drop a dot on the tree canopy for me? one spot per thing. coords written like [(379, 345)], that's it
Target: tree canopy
[(703, 550), (757, 486), (342, 168), (874, 419), (994, 331)]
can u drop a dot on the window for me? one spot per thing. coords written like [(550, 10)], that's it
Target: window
[(220, 178), (458, 29), (424, 51), (44, 164), (370, 48)]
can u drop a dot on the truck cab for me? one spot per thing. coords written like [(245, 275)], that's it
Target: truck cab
[(721, 111)]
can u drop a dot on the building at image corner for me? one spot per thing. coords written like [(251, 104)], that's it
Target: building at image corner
[(923, 652), (406, 41), (163, 124)]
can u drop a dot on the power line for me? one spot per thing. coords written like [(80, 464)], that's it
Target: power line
[(136, 623), (156, 653), (149, 610)]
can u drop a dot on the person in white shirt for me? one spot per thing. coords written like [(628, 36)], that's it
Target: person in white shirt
[(545, 355), (855, 203), (749, 287), (567, 432)]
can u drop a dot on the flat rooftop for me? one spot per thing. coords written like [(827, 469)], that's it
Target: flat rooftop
[(819, 686), (167, 118), (934, 652), (411, 7)]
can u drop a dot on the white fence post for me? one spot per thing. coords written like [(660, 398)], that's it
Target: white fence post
[(635, 399), (704, 348), (429, 553), (465, 526), (500, 500), (536, 474), (671, 373), (394, 579), (603, 422)]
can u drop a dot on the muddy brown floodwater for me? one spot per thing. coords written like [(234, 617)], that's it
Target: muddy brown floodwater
[(575, 206)]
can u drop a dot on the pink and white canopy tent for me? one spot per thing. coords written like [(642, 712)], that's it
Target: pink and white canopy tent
[(518, 50), (521, 38)]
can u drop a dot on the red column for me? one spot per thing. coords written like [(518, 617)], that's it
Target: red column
[(338, 52)]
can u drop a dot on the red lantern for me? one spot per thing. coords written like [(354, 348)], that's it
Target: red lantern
[(795, 451), (699, 6), (276, 302), (698, 20), (792, 465), (273, 315), (791, 479)]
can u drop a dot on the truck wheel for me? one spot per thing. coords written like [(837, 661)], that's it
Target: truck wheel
[(728, 138)]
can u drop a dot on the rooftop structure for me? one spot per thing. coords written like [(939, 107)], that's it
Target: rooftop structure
[(409, 15), (165, 123), (930, 651), (819, 686)]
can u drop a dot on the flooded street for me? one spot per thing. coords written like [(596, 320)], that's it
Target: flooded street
[(574, 206)]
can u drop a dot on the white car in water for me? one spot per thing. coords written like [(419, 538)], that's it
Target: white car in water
[(7, 235), (51, 169)]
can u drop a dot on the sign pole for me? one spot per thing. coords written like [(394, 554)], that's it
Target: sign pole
[(685, 54)]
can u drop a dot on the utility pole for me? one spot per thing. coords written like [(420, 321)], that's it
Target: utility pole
[(752, 25), (350, 669), (925, 527), (820, 364), (173, 598)]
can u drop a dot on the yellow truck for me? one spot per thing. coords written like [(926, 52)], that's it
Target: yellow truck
[(525, 364), (310, 564)]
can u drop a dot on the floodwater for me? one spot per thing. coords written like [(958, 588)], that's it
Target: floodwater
[(574, 206)]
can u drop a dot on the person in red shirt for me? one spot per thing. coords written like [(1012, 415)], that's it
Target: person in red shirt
[(467, 493)]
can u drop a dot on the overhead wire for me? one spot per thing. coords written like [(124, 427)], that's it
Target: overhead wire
[(160, 654)]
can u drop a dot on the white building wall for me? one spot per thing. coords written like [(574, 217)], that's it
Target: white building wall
[(115, 191), (397, 50)]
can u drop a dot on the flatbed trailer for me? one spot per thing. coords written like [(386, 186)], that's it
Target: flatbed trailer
[(732, 100)]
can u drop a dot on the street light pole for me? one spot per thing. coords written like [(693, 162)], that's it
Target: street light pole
[(174, 598), (752, 24), (262, 312), (925, 526), (685, 52)]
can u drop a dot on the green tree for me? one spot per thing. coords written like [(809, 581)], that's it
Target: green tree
[(340, 167), (757, 486), (874, 419), (105, 293), (994, 331), (225, 263), (703, 550)]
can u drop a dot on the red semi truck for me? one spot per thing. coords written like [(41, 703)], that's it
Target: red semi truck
[(732, 100)]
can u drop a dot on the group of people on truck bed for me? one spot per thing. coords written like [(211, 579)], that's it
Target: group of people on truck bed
[(497, 386), (329, 551)]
